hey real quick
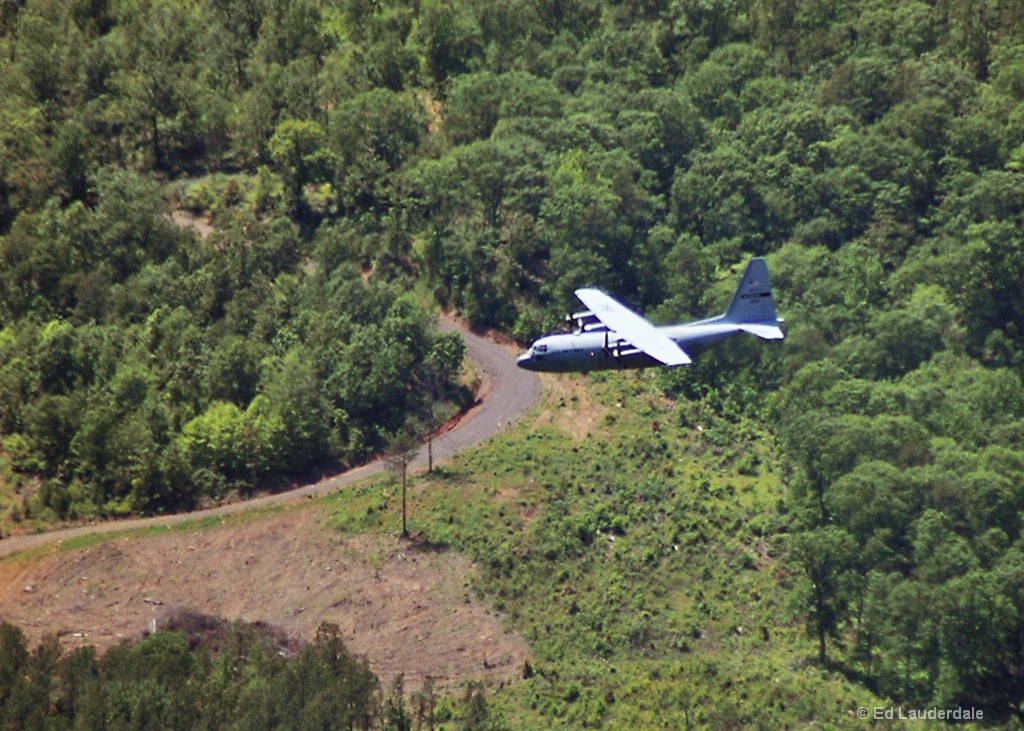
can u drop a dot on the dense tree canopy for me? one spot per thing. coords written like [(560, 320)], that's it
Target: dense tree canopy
[(200, 672)]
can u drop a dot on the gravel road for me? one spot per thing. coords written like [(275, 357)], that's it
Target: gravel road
[(506, 393)]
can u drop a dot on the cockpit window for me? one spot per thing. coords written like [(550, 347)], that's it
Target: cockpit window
[(541, 348)]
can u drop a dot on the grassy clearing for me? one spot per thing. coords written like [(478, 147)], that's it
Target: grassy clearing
[(631, 540)]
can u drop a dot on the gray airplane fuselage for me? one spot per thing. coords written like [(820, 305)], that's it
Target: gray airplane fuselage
[(567, 352), (610, 335)]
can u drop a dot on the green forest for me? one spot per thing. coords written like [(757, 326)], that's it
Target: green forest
[(204, 673), (365, 162)]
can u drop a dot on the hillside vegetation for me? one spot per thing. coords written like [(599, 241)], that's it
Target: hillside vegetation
[(493, 156), (202, 672), (635, 551)]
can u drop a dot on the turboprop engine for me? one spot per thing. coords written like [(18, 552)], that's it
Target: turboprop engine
[(586, 322)]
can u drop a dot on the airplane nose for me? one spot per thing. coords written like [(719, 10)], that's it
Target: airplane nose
[(525, 362)]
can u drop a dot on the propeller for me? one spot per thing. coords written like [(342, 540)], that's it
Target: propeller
[(615, 351)]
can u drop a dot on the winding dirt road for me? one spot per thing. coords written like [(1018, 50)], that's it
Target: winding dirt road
[(506, 394)]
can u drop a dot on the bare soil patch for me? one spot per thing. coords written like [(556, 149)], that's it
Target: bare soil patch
[(184, 219), (407, 609)]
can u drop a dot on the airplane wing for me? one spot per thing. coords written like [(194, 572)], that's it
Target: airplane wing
[(630, 326)]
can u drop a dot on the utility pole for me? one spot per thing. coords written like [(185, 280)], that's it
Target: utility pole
[(402, 450)]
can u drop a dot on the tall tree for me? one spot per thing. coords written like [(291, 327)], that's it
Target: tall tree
[(825, 555), (159, 68)]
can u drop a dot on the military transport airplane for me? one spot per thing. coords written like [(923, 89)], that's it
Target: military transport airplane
[(610, 335)]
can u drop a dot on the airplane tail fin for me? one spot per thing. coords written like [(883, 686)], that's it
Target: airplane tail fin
[(753, 306)]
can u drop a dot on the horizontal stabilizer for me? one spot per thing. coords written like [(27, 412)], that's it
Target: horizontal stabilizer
[(764, 331)]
